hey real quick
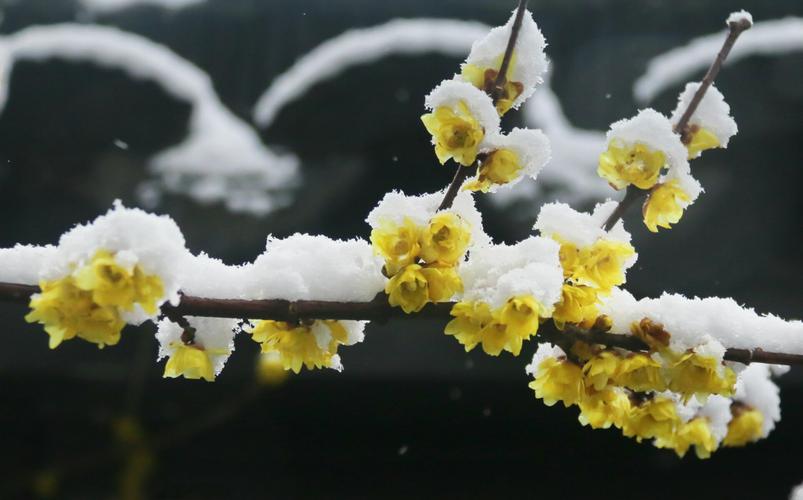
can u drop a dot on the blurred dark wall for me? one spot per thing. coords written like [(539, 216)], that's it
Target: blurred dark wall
[(359, 136)]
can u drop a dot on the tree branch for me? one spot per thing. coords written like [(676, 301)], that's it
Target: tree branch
[(379, 310), (634, 194)]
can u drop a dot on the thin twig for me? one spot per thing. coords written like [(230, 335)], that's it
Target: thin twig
[(379, 310), (682, 126)]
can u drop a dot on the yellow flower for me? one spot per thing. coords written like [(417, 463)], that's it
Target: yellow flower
[(67, 312), (601, 409), (113, 285), (701, 140), (578, 305), (602, 264), (445, 240), (499, 167), (189, 361), (701, 375), (601, 369), (470, 318), (485, 78), (569, 256), (520, 316), (655, 418), (664, 206), (295, 344), (746, 426), (639, 165), (398, 244), (456, 134), (408, 289), (558, 380), (442, 282), (269, 369), (696, 432), (640, 373)]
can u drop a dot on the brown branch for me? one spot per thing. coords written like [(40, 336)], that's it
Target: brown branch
[(464, 172), (379, 310), (633, 193)]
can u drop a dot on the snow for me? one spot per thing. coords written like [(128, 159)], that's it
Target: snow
[(717, 409), (738, 17), (221, 160), (579, 228), (215, 335), (712, 114), (544, 351), (365, 46), (690, 320), (530, 146), (774, 38), (529, 60), (395, 206), (21, 264), (653, 129), (756, 389), (450, 93), (495, 273)]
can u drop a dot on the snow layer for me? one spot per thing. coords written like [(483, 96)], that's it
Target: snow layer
[(395, 206), (221, 159), (21, 264), (712, 114), (529, 60), (579, 228), (364, 46), (495, 273), (690, 320), (775, 37), (653, 129), (531, 147)]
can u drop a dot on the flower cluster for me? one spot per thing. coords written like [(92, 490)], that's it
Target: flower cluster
[(464, 121), (648, 153)]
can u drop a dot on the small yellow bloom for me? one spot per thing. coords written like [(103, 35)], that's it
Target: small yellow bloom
[(456, 133), (696, 432), (558, 380), (408, 289), (639, 165), (398, 244), (189, 361), (295, 344), (445, 240), (701, 140), (640, 373), (499, 167), (602, 409), (520, 316), (569, 256), (602, 264), (470, 318), (578, 305), (746, 426), (442, 282), (701, 375), (655, 418), (485, 79), (113, 285), (601, 369), (664, 206)]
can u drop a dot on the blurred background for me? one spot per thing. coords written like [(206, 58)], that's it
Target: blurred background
[(412, 415)]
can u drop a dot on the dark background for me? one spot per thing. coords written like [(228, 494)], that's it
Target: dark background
[(412, 415)]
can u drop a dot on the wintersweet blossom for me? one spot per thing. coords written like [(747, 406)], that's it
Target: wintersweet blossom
[(297, 345), (603, 409), (745, 427), (499, 167), (191, 362), (558, 380), (700, 139), (654, 418), (702, 375), (485, 79), (399, 244), (415, 286), (696, 432), (456, 133), (578, 305), (639, 372), (638, 164), (665, 205), (445, 240)]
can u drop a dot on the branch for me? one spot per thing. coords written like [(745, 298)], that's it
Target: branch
[(462, 172), (633, 194), (379, 310)]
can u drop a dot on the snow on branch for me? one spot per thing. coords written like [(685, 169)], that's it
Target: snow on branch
[(776, 37), (222, 157)]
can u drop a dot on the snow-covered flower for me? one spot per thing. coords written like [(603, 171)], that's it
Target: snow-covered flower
[(710, 126), (522, 152)]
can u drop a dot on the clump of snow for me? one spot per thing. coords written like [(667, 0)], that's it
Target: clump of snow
[(205, 276), (451, 93), (579, 228), (214, 335), (690, 320), (712, 114), (530, 146), (717, 410), (22, 263), (305, 267), (654, 130), (739, 17), (757, 390), (395, 206), (529, 61), (495, 273)]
